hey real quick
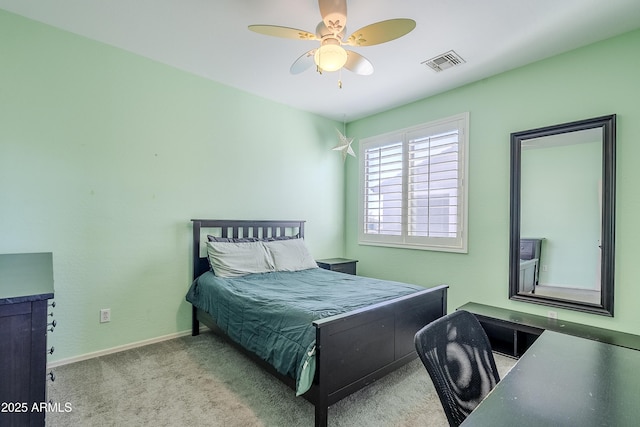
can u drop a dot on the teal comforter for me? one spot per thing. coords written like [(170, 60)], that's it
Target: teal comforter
[(270, 314)]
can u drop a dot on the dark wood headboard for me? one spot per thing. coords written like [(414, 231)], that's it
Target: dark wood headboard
[(239, 228)]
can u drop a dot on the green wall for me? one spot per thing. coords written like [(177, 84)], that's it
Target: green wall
[(592, 81), (105, 157)]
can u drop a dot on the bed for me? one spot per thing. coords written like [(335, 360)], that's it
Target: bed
[(339, 347)]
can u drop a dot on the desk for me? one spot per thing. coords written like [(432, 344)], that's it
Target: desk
[(562, 380)]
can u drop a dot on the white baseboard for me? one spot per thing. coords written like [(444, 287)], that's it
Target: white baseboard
[(120, 348)]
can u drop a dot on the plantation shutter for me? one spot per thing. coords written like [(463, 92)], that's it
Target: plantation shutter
[(383, 189), (412, 187), (433, 186)]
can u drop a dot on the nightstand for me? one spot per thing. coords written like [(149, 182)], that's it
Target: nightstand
[(342, 265)]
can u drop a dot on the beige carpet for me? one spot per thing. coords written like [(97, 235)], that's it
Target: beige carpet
[(203, 381)]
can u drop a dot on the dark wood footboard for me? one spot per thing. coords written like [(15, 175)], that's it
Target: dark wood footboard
[(357, 348)]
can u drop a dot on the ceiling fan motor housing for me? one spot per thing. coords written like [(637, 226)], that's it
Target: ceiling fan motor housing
[(322, 31)]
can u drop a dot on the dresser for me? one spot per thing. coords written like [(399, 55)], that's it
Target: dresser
[(26, 286)]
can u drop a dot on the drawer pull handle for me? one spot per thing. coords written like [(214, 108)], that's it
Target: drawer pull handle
[(50, 314), (52, 376), (53, 304), (51, 350)]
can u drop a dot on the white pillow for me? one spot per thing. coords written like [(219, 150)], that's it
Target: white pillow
[(290, 255), (230, 259)]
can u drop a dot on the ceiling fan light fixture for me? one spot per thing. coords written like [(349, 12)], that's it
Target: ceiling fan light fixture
[(330, 57)]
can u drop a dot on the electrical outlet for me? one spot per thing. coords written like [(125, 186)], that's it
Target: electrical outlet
[(552, 314), (105, 315), (545, 267)]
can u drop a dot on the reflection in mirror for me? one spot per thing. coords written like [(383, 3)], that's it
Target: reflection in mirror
[(562, 191), (561, 179)]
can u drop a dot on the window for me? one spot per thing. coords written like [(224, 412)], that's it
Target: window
[(412, 187)]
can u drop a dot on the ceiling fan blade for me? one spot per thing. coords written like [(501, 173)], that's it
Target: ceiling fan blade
[(303, 63), (286, 32), (358, 64), (381, 32), (334, 14)]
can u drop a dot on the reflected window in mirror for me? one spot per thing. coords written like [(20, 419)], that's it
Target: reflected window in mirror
[(562, 222)]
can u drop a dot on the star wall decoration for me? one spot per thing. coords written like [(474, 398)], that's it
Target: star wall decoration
[(344, 146)]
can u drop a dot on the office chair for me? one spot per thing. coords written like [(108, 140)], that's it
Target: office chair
[(457, 354)]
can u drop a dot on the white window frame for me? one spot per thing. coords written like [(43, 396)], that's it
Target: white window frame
[(403, 136)]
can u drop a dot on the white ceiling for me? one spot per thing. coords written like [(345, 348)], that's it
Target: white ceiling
[(210, 38)]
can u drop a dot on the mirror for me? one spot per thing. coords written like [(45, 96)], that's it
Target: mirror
[(563, 215)]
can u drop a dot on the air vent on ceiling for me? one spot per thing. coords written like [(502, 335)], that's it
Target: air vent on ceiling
[(444, 61)]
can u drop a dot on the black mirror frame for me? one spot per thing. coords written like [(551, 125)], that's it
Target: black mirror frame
[(608, 125)]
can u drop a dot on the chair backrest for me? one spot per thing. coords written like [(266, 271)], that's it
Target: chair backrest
[(457, 354)]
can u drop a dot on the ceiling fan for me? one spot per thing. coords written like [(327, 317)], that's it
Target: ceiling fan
[(330, 55)]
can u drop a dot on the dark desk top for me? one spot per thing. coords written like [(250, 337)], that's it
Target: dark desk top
[(26, 277), (564, 380), (527, 321)]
